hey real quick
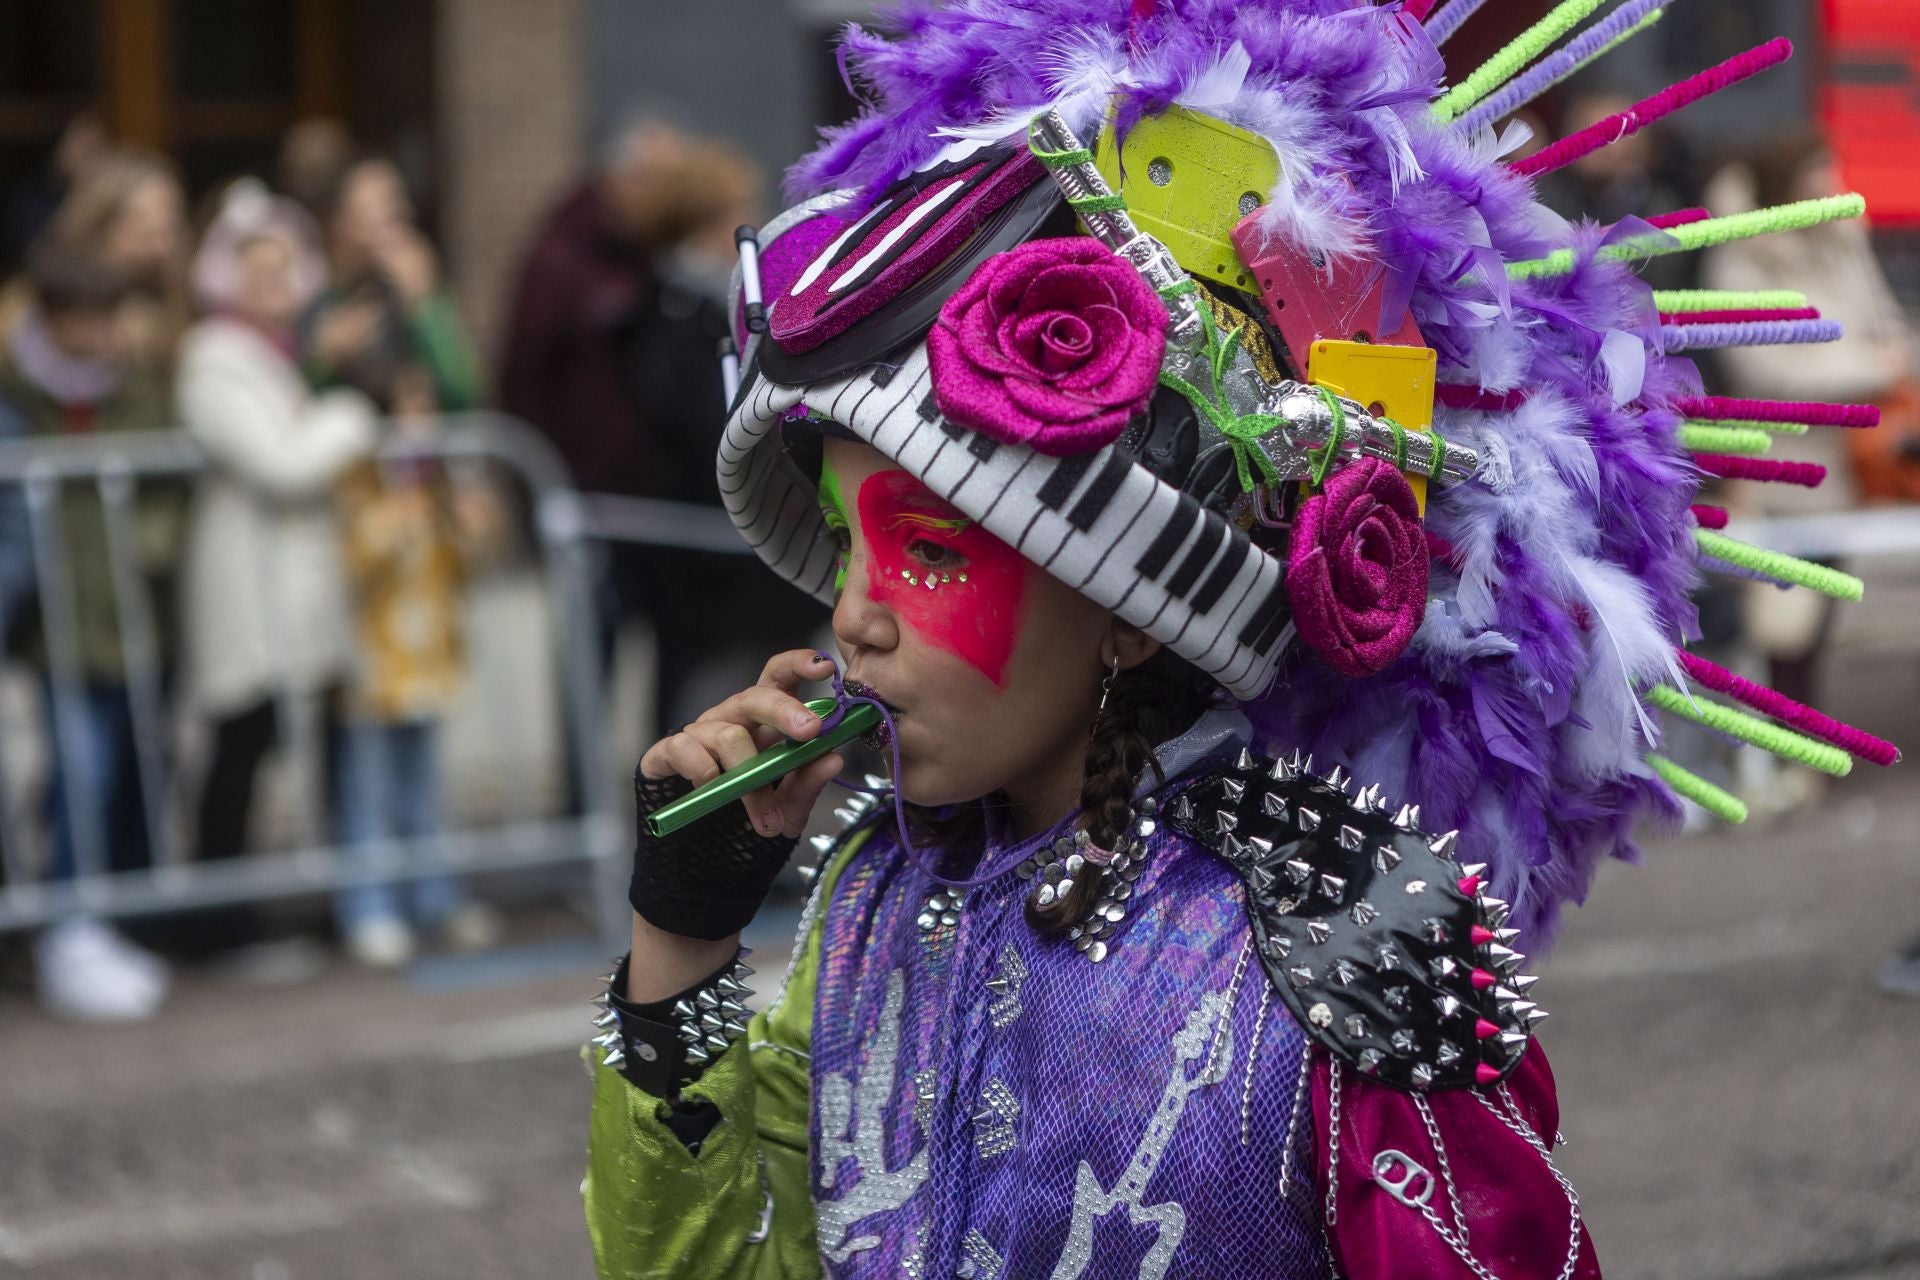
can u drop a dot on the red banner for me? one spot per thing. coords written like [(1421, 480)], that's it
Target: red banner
[(1870, 102)]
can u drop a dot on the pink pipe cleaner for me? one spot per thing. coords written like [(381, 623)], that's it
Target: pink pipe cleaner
[(1678, 218), (1646, 111), (1816, 412), (1457, 395), (1709, 517), (1729, 467), (1784, 709), (1765, 333), (1738, 317), (1418, 9)]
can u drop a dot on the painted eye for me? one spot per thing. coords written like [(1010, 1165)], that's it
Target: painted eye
[(934, 555)]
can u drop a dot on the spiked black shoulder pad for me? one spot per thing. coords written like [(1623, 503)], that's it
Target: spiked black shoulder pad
[(1379, 943)]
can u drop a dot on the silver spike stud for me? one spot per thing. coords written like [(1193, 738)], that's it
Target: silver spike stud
[(1447, 1005), (1421, 1075), (734, 1009), (1503, 959), (1493, 910), (1224, 820), (1536, 1016), (607, 1020), (821, 844), (698, 1056), (1506, 936), (708, 998), (1511, 1040), (601, 1000), (1370, 799), (1407, 818), (1183, 809), (1385, 858), (1234, 789), (615, 1058), (1306, 819), (1297, 870), (807, 874), (1331, 885), (729, 985), (1442, 844), (683, 1010), (1523, 982), (1349, 838), (1282, 771), (1245, 763), (1272, 805), (999, 986), (1471, 868), (710, 1021), (1318, 931), (1336, 778)]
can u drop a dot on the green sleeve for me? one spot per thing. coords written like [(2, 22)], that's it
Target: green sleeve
[(441, 337), (741, 1209)]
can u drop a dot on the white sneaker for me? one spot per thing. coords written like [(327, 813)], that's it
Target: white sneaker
[(474, 926), (381, 943), (89, 972)]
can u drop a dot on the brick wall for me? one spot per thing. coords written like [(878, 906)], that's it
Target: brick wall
[(511, 111)]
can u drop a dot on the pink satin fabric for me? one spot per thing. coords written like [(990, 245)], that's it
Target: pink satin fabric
[(1517, 1215)]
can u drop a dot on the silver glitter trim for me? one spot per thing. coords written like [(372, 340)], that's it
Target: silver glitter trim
[(852, 1118), (981, 1261), (1006, 1004), (1091, 1201), (995, 1123)]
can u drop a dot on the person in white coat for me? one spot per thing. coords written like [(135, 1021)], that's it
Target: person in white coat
[(268, 633)]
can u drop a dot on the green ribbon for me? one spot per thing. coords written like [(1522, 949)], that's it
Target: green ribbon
[(1322, 458)]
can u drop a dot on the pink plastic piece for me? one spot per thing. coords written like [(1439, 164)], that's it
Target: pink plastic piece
[(1481, 935), (1470, 885), (1308, 301), (1709, 517), (1482, 980), (1485, 1030), (1486, 1074)]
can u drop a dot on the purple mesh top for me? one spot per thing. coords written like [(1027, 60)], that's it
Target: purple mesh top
[(990, 1102)]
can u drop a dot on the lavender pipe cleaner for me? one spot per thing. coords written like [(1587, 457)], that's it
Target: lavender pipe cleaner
[(1752, 333)]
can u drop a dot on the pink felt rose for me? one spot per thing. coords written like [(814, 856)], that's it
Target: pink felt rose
[(1054, 344), (1357, 568)]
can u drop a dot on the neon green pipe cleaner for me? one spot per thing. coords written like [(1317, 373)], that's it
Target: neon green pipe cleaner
[(1504, 65), (1721, 804), (1744, 441), (1777, 564), (1764, 734), (1751, 424), (1679, 300), (1703, 235)]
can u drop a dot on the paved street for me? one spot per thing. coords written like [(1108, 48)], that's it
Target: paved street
[(1740, 1101)]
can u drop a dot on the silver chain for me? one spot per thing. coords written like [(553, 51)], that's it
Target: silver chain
[(1226, 1013), (1301, 1089), (1333, 1142), (1532, 1139), (1253, 1057), (1446, 1170)]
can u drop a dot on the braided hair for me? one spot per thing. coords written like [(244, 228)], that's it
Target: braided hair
[(1153, 702)]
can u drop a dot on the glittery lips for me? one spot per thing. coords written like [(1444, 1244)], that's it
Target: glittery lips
[(880, 737)]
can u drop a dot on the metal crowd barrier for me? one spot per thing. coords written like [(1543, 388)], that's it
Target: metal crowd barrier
[(565, 525)]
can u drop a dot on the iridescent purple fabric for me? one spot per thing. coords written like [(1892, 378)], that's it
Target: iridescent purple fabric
[(1126, 1118)]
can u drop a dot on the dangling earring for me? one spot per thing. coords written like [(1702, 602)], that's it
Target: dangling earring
[(1106, 686)]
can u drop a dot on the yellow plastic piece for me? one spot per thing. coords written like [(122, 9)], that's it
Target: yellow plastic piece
[(1188, 180), (1396, 381)]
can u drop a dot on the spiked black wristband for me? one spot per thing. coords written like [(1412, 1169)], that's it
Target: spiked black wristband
[(664, 1045), (706, 880)]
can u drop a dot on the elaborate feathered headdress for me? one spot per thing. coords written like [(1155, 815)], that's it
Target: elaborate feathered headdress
[(1348, 287)]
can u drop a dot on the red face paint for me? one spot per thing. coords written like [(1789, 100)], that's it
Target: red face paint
[(959, 587)]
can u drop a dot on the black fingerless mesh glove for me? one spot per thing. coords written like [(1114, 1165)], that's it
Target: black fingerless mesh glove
[(704, 880)]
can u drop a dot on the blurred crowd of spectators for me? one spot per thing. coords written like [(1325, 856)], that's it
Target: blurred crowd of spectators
[(303, 334)]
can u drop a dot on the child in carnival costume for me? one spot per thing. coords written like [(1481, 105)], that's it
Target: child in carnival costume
[(1267, 533)]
